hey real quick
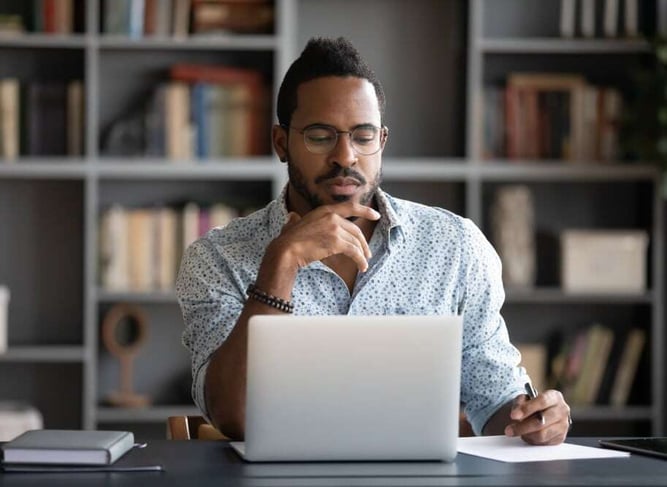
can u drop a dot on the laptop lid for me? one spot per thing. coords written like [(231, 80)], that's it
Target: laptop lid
[(352, 388)]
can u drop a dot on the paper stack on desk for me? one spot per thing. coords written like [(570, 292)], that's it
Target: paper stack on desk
[(506, 449)]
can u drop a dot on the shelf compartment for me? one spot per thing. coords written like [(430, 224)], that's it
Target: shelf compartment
[(44, 353), (42, 259), (128, 79), (54, 389), (239, 194), (168, 383), (526, 19)]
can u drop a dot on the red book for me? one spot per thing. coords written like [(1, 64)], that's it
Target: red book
[(207, 73), (150, 11), (49, 18)]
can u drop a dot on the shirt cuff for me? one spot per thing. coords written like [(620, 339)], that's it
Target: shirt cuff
[(198, 390)]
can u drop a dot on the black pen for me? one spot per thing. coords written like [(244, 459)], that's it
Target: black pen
[(532, 394)]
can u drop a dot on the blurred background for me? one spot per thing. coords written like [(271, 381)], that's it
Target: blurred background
[(130, 127)]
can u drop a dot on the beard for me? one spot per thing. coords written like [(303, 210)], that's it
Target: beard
[(300, 185)]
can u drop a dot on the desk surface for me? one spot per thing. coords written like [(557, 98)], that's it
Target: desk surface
[(204, 463)]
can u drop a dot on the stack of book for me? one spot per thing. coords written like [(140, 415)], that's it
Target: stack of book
[(609, 18), (598, 365), (141, 248), (180, 18), (202, 112), (58, 16), (41, 118), (551, 116)]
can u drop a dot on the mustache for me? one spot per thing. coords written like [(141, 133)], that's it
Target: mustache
[(345, 172)]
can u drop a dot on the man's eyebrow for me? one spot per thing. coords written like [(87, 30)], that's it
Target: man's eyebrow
[(365, 125)]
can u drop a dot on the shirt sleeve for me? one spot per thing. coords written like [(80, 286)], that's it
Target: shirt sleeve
[(211, 301), (490, 371)]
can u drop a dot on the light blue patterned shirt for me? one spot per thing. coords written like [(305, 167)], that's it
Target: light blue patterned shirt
[(426, 261)]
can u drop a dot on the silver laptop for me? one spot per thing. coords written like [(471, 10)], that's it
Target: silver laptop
[(352, 388)]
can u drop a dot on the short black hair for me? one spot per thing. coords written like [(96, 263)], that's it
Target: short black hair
[(324, 57)]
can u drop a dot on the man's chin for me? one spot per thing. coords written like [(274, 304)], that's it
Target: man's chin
[(341, 198)]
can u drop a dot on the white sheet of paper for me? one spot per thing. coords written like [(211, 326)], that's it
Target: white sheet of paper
[(506, 449)]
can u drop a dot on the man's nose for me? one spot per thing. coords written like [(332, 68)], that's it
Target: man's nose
[(343, 152)]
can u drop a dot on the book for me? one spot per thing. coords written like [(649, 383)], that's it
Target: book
[(75, 118), (530, 130), (218, 16), (9, 119), (631, 18), (117, 16), (587, 18), (46, 119), (141, 248), (231, 110), (610, 26), (662, 18), (627, 367), (178, 129), (181, 18), (567, 17), (68, 447), (114, 249), (534, 360)]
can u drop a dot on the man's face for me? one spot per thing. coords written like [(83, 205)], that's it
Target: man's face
[(342, 174)]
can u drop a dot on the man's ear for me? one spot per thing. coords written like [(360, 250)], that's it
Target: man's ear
[(279, 138), (384, 135)]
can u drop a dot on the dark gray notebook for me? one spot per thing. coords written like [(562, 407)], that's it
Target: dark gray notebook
[(67, 447)]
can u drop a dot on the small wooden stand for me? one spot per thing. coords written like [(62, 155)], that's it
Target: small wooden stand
[(125, 396)]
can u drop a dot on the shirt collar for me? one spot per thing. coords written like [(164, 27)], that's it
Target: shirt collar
[(390, 222)]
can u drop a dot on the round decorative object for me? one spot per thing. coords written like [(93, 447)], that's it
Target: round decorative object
[(124, 331)]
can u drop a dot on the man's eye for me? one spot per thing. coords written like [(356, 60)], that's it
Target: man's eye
[(365, 137), (319, 136)]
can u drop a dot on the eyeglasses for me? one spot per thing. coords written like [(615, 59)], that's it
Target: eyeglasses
[(322, 139)]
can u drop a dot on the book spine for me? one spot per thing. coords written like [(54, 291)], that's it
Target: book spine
[(611, 18), (567, 18), (9, 119)]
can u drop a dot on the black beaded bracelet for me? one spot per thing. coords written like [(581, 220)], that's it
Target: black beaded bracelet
[(275, 302)]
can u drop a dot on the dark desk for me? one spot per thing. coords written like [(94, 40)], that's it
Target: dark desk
[(204, 463)]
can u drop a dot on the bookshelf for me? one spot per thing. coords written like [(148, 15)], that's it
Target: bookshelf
[(454, 48)]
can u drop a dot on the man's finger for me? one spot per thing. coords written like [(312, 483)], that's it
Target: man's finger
[(351, 211)]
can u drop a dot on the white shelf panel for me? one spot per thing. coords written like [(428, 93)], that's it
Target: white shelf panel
[(151, 414), (553, 171), (56, 168), (557, 295), (52, 41), (252, 168), (562, 46), (104, 296), (226, 42), (611, 413), (44, 353)]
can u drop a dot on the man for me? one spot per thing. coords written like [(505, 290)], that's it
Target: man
[(334, 243)]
